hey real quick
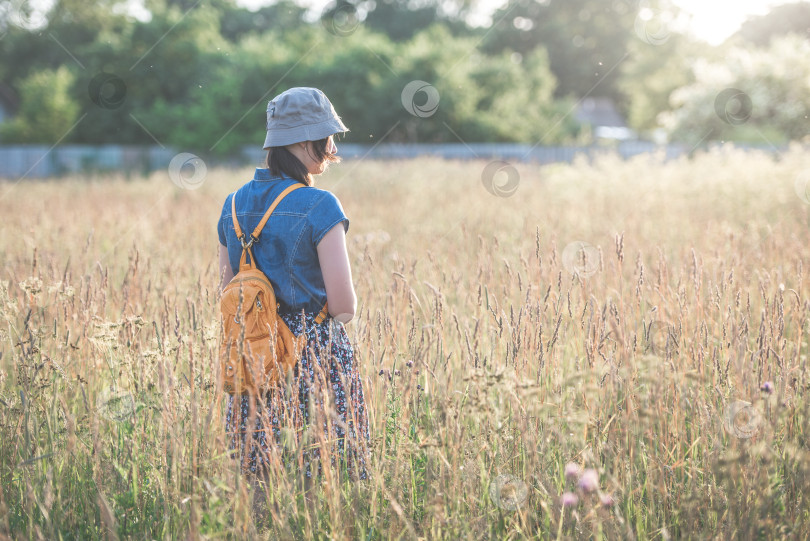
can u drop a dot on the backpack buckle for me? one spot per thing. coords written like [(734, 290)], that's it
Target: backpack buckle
[(249, 243)]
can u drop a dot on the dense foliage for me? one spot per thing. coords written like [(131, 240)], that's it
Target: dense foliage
[(197, 75)]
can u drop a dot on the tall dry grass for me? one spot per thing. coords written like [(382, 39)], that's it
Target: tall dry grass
[(491, 356)]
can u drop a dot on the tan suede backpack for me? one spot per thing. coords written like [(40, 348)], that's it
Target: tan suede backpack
[(257, 347)]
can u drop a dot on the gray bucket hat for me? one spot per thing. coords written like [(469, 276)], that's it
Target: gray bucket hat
[(300, 114)]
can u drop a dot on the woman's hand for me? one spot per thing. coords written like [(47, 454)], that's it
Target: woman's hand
[(224, 267), (337, 274)]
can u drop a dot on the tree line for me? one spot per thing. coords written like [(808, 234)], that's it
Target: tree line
[(197, 74)]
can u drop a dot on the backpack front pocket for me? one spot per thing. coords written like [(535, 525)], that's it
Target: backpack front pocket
[(253, 315)]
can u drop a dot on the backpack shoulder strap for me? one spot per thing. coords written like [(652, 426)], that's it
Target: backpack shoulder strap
[(238, 230), (282, 195), (323, 313), (236, 227)]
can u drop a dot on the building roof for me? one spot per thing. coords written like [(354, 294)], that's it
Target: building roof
[(597, 111), (604, 119)]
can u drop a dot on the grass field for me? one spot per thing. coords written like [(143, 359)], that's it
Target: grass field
[(620, 316)]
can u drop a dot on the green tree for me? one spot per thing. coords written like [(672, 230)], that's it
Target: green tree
[(238, 22), (67, 27), (587, 40), (198, 75), (167, 60), (750, 94), (651, 73), (400, 20), (203, 121), (47, 108), (501, 97), (793, 18)]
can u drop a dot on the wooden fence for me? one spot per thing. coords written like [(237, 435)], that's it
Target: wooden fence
[(39, 161)]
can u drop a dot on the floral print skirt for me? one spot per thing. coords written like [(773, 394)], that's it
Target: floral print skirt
[(323, 390)]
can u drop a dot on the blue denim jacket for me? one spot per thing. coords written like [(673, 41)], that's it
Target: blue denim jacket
[(287, 247)]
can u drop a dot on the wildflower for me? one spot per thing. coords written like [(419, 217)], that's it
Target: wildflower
[(409, 364), (569, 499), (382, 371), (589, 481), (607, 500), (32, 285), (572, 470), (396, 372), (767, 387)]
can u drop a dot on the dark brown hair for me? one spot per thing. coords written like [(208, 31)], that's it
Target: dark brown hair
[(280, 160)]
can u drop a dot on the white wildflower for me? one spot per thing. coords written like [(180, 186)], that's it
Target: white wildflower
[(31, 285)]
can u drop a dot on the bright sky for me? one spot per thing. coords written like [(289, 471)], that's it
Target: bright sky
[(712, 20), (715, 20)]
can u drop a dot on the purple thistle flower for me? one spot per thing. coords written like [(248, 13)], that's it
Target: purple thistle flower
[(767, 387), (607, 500), (572, 471), (569, 499), (589, 481)]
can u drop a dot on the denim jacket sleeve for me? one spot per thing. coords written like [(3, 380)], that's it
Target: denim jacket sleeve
[(326, 213)]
